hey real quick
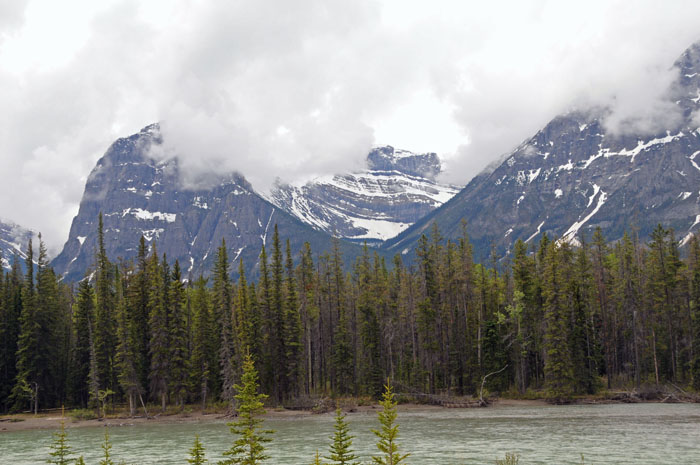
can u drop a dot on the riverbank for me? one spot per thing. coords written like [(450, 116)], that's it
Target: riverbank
[(52, 421), (192, 414)]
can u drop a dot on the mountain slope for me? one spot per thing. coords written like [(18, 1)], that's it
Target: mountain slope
[(13, 241), (574, 175), (397, 188), (140, 196)]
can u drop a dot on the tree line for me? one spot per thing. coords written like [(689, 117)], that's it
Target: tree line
[(550, 317)]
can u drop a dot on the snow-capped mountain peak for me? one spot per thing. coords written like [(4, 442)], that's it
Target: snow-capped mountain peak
[(396, 189)]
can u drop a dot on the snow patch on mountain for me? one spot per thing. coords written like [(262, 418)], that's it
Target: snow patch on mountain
[(396, 189)]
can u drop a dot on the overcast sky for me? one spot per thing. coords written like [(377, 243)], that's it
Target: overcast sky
[(305, 87)]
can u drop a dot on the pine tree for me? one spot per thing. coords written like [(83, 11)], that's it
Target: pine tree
[(341, 446), (694, 256), (221, 300), (317, 459), (197, 453), (83, 314), (179, 358), (127, 350), (249, 448), (558, 372), (292, 330), (204, 358), (28, 353), (388, 434), (105, 324), (278, 348), (60, 450), (158, 323), (11, 298), (106, 450)]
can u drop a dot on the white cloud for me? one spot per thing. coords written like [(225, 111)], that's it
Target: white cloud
[(294, 89)]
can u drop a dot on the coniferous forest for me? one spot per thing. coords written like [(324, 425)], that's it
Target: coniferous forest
[(551, 318)]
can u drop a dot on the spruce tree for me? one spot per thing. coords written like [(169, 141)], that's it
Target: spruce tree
[(60, 450), (558, 371), (127, 350), (204, 358), (388, 434), (28, 345), (221, 300), (248, 448), (178, 340), (83, 314), (197, 453), (105, 334), (292, 329), (158, 324), (340, 452), (694, 256), (317, 459), (106, 450)]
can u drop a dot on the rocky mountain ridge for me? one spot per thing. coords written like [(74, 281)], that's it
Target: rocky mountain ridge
[(396, 190), (575, 175)]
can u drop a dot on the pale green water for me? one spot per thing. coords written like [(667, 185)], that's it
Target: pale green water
[(606, 434)]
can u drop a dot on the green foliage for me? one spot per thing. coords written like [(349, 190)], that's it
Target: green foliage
[(60, 450), (81, 414), (248, 448), (317, 459), (197, 453), (388, 434), (341, 446), (106, 450)]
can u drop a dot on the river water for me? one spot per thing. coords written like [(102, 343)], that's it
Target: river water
[(605, 434)]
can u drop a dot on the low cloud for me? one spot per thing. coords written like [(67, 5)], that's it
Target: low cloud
[(274, 89)]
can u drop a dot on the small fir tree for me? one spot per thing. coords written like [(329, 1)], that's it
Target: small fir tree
[(60, 450), (248, 449), (106, 448), (197, 453), (317, 459), (341, 448), (389, 432)]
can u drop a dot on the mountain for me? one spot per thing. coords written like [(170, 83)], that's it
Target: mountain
[(13, 241), (397, 189), (138, 195), (575, 175)]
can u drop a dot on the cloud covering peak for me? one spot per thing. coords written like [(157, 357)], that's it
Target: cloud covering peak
[(297, 89)]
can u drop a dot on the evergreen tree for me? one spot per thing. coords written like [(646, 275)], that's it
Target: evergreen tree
[(197, 453), (11, 305), (28, 345), (105, 324), (389, 432), (222, 313), (317, 459), (204, 357), (106, 450), (249, 448), (60, 450), (159, 348), (341, 446), (178, 340), (558, 372), (292, 330), (82, 316), (127, 350), (694, 256)]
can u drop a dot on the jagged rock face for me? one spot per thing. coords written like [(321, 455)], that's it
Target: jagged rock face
[(396, 190), (13, 242), (138, 195), (574, 176)]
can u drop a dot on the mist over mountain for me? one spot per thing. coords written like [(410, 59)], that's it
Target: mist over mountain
[(578, 173)]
